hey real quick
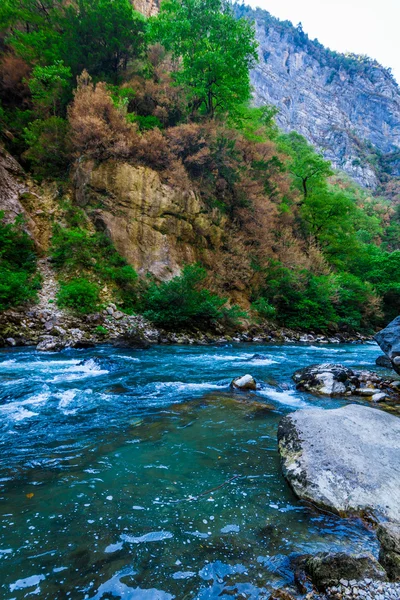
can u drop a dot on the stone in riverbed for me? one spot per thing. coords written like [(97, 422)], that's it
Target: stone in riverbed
[(389, 341), (247, 382), (329, 569), (325, 379), (384, 361), (389, 556), (347, 459)]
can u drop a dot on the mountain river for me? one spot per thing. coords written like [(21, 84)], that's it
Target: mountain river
[(139, 475)]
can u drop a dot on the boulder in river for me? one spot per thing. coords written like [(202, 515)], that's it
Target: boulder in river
[(247, 382), (389, 556), (384, 361), (325, 379), (50, 343), (347, 459), (389, 341), (328, 569)]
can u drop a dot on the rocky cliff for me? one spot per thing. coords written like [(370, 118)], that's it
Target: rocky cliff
[(156, 227), (346, 106)]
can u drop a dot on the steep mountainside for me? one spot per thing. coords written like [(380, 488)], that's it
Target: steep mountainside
[(348, 107)]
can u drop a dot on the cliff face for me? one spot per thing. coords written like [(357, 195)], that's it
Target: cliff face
[(347, 107), (156, 227)]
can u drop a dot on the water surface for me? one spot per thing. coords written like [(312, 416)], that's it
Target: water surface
[(139, 475)]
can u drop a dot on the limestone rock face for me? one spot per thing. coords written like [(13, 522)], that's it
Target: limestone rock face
[(156, 227), (339, 106), (347, 459)]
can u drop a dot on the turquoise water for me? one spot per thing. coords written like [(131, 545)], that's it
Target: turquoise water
[(139, 475)]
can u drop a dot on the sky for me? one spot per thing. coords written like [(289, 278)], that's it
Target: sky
[(361, 26)]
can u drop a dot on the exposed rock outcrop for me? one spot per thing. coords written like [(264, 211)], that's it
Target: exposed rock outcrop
[(156, 227), (344, 106), (347, 459)]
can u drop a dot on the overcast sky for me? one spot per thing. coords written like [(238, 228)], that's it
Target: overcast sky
[(361, 26)]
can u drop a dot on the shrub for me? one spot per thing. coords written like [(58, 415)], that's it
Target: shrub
[(98, 128), (75, 250), (263, 308), (183, 302), (47, 147), (81, 295), (18, 282), (100, 330), (16, 287)]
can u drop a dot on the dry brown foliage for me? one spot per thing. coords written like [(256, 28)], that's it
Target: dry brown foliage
[(14, 72), (98, 128)]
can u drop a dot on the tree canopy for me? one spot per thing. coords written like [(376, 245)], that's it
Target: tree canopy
[(214, 52)]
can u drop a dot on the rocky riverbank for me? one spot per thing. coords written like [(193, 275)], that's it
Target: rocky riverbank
[(53, 329)]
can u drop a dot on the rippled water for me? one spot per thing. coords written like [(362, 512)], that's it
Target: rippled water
[(139, 475)]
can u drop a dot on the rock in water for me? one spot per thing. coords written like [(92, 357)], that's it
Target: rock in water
[(247, 382), (384, 361), (347, 459), (389, 341), (327, 569), (389, 556), (326, 379)]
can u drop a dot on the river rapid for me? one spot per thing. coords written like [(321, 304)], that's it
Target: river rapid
[(139, 474)]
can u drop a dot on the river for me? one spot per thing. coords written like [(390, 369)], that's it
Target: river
[(139, 475)]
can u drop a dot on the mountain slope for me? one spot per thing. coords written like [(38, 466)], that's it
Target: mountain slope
[(346, 106)]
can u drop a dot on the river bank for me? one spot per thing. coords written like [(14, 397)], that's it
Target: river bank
[(53, 329)]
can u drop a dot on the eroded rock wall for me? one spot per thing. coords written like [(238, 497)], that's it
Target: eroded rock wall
[(156, 227)]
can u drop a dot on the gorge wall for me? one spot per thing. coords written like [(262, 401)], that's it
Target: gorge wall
[(348, 107)]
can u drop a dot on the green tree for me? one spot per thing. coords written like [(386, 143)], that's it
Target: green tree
[(102, 36), (47, 85), (307, 167), (213, 51)]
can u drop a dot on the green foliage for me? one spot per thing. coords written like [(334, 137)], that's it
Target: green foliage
[(215, 52), (307, 167), (18, 280), (263, 308), (100, 330), (47, 150), (74, 251), (185, 303), (102, 36), (47, 85), (80, 295), (144, 123)]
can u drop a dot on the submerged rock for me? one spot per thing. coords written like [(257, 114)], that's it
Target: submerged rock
[(328, 569), (347, 459), (247, 382), (326, 379), (389, 341), (389, 556)]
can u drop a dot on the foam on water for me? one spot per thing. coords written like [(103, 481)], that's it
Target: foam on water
[(81, 370), (289, 397)]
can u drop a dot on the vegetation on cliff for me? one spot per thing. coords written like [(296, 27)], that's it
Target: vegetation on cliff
[(95, 80)]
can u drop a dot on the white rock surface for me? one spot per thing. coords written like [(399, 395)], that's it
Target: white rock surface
[(347, 459)]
